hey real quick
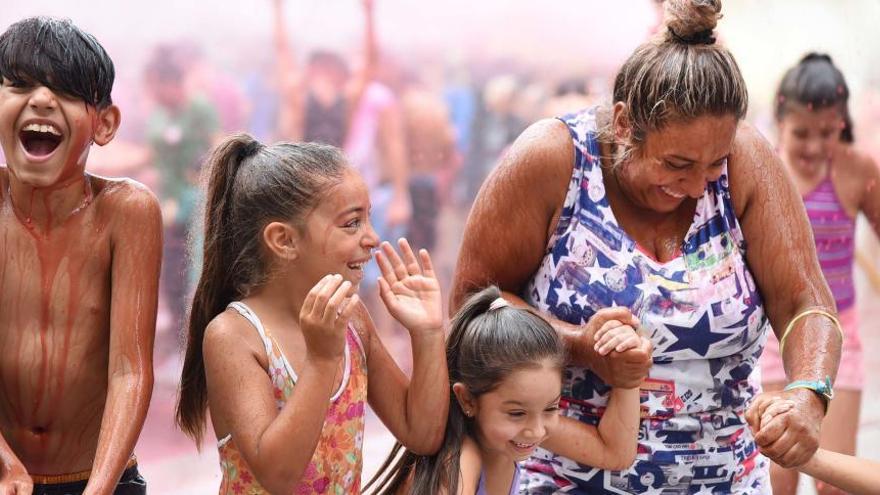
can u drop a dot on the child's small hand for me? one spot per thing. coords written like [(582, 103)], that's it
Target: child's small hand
[(776, 408), (615, 336), (324, 316), (410, 291)]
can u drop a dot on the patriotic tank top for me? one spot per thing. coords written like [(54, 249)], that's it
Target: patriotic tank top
[(834, 233), (704, 316), (335, 468)]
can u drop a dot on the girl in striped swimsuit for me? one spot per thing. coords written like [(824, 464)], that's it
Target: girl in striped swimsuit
[(836, 182)]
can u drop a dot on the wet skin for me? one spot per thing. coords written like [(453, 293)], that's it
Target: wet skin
[(79, 261), (652, 196)]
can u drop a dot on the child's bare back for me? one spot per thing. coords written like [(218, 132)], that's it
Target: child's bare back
[(61, 269)]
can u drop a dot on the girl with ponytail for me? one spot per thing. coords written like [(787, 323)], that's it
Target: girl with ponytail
[(279, 344), (505, 372), (837, 181)]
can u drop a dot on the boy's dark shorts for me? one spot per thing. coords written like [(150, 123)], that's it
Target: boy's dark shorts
[(131, 483)]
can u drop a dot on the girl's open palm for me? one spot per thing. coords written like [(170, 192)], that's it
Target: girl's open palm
[(410, 290)]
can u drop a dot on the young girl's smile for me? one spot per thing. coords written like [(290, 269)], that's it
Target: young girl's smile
[(513, 419), (338, 235), (809, 137)]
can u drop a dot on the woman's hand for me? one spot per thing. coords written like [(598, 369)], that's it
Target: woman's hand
[(410, 291), (324, 315), (788, 439)]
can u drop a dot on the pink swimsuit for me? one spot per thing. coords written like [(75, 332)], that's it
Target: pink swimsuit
[(335, 467), (834, 232)]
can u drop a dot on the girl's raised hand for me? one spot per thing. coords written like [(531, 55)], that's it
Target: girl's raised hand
[(324, 315), (615, 336), (409, 290)]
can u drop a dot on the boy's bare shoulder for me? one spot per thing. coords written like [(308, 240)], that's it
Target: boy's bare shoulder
[(127, 205), (123, 193)]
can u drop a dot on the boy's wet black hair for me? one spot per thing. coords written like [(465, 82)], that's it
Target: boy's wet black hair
[(58, 55)]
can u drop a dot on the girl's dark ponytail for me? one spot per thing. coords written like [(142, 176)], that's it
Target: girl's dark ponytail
[(215, 288)]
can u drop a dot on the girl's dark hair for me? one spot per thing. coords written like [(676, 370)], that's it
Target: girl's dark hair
[(485, 345), (249, 186), (816, 83), (679, 75), (58, 55)]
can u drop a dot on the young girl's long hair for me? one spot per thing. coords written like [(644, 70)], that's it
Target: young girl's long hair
[(488, 341), (817, 83), (249, 185)]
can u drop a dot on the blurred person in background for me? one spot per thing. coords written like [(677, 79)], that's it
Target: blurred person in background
[(496, 126), (836, 182), (180, 131), (330, 104), (572, 95)]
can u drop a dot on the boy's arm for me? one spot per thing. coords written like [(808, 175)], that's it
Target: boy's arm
[(136, 258), (848, 473), (14, 478)]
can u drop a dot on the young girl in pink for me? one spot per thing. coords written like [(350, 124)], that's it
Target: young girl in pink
[(279, 343)]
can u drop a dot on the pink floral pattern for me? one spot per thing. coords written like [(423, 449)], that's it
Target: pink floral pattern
[(335, 468)]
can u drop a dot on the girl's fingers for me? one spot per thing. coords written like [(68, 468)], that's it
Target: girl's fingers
[(629, 342), (606, 327), (427, 265), (409, 257), (331, 310), (312, 296), (396, 262), (385, 267), (347, 310)]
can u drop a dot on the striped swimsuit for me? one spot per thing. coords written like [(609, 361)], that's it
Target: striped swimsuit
[(704, 316), (834, 233)]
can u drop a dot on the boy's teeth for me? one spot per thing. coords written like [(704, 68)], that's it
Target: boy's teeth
[(42, 128)]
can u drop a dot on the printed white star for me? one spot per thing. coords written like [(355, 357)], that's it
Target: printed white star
[(705, 490), (582, 300), (654, 403), (682, 470), (563, 295)]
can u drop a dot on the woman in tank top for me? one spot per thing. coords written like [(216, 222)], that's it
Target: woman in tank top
[(653, 208)]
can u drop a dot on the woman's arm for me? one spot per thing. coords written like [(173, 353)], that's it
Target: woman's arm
[(782, 258), (415, 411), (506, 237)]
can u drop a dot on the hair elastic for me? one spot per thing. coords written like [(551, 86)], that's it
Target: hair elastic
[(498, 304)]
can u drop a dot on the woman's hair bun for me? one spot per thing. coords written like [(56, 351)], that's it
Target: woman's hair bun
[(692, 21)]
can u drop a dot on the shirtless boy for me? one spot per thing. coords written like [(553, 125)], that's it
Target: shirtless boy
[(79, 268)]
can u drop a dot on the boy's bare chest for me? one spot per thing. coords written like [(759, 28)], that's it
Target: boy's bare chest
[(53, 280)]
